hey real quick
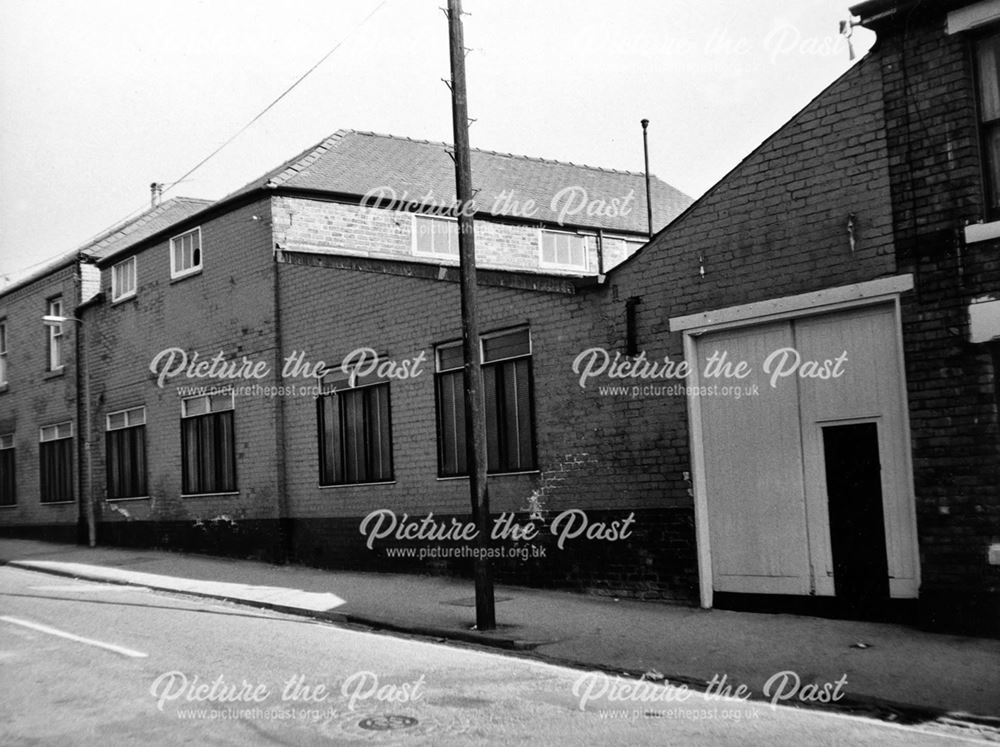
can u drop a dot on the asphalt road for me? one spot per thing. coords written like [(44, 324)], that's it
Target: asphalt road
[(87, 663)]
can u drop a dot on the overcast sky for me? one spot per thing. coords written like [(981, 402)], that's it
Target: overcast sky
[(100, 98)]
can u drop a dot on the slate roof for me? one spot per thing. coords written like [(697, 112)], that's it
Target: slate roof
[(118, 238), (148, 223), (351, 162)]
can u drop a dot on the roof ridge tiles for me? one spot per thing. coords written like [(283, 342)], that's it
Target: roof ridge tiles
[(485, 151)]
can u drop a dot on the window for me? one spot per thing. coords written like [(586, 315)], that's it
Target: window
[(208, 444), (988, 75), (55, 453), (510, 441), (435, 237), (125, 451), (8, 496), (55, 332), (185, 253), (3, 352), (123, 280), (567, 251), (355, 434)]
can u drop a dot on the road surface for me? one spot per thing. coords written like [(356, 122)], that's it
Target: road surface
[(96, 664)]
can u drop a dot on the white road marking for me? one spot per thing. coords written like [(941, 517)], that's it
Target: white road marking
[(91, 588), (70, 636)]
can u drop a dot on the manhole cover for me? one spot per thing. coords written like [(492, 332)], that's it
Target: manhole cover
[(387, 722)]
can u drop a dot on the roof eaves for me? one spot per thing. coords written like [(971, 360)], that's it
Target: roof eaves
[(59, 263), (690, 208)]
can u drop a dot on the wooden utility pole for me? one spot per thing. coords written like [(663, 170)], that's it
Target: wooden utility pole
[(475, 421)]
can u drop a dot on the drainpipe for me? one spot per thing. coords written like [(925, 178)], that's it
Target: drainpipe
[(86, 485), (286, 545)]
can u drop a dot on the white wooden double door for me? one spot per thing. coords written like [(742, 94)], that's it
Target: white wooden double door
[(765, 475)]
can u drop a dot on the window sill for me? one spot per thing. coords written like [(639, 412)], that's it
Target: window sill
[(130, 297), (54, 373), (555, 268), (130, 498), (209, 495), (7, 505), (976, 232), (70, 502), (491, 474), (185, 275), (356, 485)]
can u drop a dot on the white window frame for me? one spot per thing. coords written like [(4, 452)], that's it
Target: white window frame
[(585, 268), (134, 416), (209, 398), (414, 230), (55, 334), (195, 267), (55, 432), (3, 352), (117, 294)]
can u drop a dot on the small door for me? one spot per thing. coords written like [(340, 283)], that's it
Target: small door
[(857, 524)]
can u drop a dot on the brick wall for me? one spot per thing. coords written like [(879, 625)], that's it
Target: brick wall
[(227, 307), (35, 397), (583, 461), (331, 227), (936, 189), (776, 225)]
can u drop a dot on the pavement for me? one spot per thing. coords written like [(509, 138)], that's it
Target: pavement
[(894, 672)]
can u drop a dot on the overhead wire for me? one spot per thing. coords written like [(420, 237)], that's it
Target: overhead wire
[(215, 152)]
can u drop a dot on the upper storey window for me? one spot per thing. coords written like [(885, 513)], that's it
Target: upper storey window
[(988, 79)]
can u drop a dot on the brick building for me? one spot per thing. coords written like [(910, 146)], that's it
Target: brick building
[(864, 228), (832, 445), (44, 382), (349, 245)]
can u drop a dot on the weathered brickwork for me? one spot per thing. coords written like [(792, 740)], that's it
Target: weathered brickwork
[(937, 188), (228, 306), (775, 226), (874, 178), (35, 396), (578, 466), (305, 225)]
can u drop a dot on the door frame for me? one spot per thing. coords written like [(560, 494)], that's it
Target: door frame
[(693, 326)]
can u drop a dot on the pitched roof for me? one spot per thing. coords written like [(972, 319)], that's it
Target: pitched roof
[(152, 221), (419, 171), (115, 239)]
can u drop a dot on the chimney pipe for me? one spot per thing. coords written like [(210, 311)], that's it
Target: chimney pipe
[(155, 192), (649, 196)]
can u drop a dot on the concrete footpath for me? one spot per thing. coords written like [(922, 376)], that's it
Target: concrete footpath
[(892, 671)]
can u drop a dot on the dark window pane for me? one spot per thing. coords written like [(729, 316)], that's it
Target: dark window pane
[(450, 357), (507, 345), (451, 425), (8, 493), (988, 61), (209, 449), (56, 465), (126, 462), (507, 402), (991, 144), (355, 436)]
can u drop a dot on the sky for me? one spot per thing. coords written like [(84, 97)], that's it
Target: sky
[(99, 99)]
